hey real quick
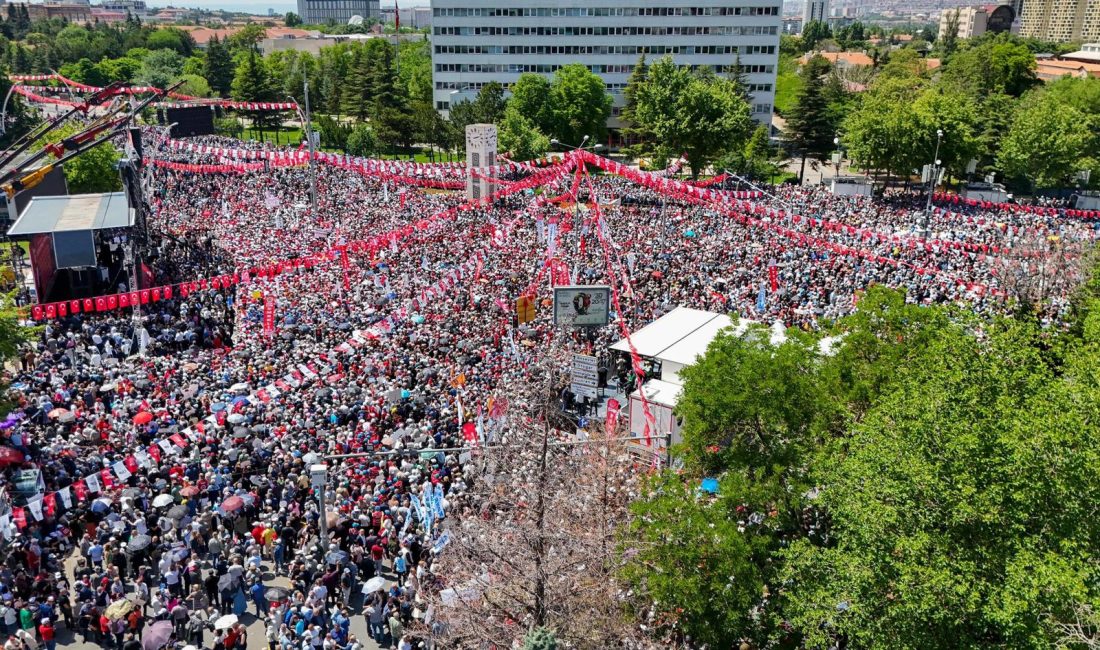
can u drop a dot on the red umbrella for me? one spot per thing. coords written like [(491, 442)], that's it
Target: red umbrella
[(9, 456), (56, 413), (145, 417), (233, 504), (189, 491)]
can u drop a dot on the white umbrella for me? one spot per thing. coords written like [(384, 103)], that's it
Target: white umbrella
[(377, 583), (235, 418), (240, 387), (225, 622), (162, 500)]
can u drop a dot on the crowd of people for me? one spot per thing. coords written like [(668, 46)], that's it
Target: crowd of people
[(157, 483)]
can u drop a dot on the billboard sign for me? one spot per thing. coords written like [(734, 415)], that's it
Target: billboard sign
[(582, 305)]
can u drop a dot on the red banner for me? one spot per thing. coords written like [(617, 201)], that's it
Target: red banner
[(269, 315)]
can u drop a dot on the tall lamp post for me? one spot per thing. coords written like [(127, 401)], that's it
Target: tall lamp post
[(318, 475), (935, 171)]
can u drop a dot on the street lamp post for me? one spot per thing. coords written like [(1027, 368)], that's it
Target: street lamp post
[(312, 160), (935, 171), (318, 475)]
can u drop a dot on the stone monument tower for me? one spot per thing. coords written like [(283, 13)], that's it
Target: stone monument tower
[(481, 151)]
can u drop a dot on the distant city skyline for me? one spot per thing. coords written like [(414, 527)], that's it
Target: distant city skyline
[(258, 7)]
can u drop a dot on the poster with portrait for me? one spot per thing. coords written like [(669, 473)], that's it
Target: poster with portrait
[(582, 305)]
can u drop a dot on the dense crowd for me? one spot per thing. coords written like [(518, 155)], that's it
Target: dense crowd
[(175, 448)]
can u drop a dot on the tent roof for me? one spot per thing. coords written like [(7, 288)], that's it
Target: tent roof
[(48, 214), (680, 335), (660, 392)]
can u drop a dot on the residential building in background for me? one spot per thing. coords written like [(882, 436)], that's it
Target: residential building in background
[(136, 8), (74, 12), (475, 42), (1061, 20), (815, 10), (971, 21), (319, 12)]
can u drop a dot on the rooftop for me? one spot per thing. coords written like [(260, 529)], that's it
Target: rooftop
[(47, 214)]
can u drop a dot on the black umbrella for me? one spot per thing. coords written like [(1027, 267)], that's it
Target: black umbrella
[(276, 594), (336, 557), (177, 512)]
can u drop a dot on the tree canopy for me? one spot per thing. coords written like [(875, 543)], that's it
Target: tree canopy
[(929, 483)]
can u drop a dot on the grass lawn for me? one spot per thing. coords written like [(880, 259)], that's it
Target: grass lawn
[(787, 84)]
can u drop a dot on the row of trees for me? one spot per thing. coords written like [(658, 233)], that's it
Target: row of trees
[(929, 484), (986, 101)]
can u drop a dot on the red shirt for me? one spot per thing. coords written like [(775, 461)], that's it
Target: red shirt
[(46, 632), (377, 552)]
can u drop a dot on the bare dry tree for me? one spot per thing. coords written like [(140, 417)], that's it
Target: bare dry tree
[(1038, 270), (534, 543), (1083, 631)]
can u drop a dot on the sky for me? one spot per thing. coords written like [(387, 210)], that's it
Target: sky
[(259, 6)]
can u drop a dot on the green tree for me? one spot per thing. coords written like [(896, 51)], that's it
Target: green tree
[(702, 115), (93, 171), (994, 65), (172, 39), (950, 41), (810, 129), (292, 19), (218, 67), (580, 105), (957, 117), (361, 142), (334, 135), (813, 33), (957, 511), (489, 103), (540, 638), (194, 85), (880, 134), (531, 98), (252, 83), (521, 137), (247, 38), (633, 130), (1082, 93), (759, 155), (1047, 142), (160, 68)]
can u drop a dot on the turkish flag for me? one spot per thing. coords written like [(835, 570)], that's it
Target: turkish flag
[(74, 307), (80, 490), (124, 300), (89, 305), (154, 451), (62, 309), (112, 301), (145, 297), (51, 311), (167, 293), (50, 500), (101, 304), (107, 479), (20, 517), (37, 312), (131, 463)]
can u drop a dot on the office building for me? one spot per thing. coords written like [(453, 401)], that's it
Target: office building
[(475, 42), (969, 21), (815, 10), (1061, 20), (320, 12)]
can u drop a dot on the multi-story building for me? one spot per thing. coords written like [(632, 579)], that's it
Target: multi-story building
[(135, 8), (1061, 20), (475, 42), (969, 21), (815, 10), (319, 12)]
